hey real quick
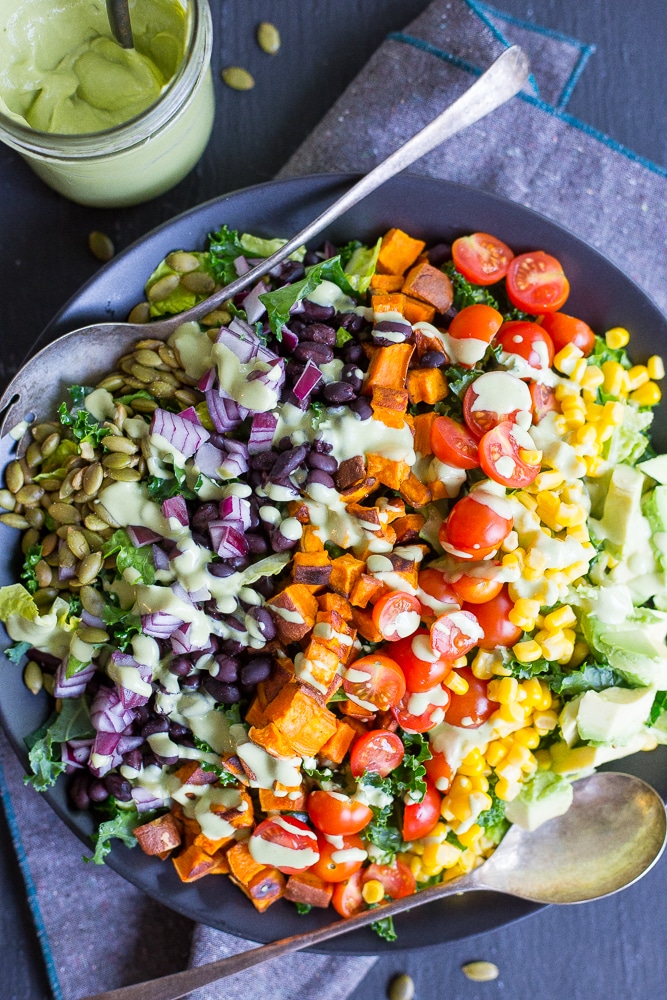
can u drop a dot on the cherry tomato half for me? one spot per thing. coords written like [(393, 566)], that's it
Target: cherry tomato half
[(335, 813), (564, 329), (434, 591), (375, 682), (493, 618), (336, 864), (284, 843), (347, 899), (476, 322), (397, 615), (419, 818), (378, 750), (529, 341), (453, 443), (416, 660), (536, 283), (433, 712), (503, 453), (481, 258), (397, 879), (543, 399), (472, 709), (439, 771), (475, 527), (455, 633), (493, 398), (476, 589)]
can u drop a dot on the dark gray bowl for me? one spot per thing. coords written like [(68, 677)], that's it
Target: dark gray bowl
[(435, 211)]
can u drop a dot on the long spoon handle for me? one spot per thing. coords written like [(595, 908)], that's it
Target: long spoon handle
[(118, 13), (181, 983), (501, 81)]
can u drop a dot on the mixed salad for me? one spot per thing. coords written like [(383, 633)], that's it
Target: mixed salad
[(332, 587)]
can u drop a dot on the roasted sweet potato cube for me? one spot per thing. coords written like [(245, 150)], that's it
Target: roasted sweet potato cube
[(387, 398), (310, 540), (221, 866), (363, 622), (305, 723), (311, 568), (270, 801), (355, 711), (388, 471), (429, 284), (407, 528), (398, 252), (350, 471), (389, 367), (345, 571), (293, 610), (318, 666), (265, 888), (211, 846), (414, 492), (427, 385), (193, 863), (363, 489), (423, 423), (272, 740), (242, 865), (255, 714), (384, 302), (159, 837), (308, 889), (386, 282), (365, 590), (335, 602), (191, 773), (341, 741), (239, 816), (418, 312)]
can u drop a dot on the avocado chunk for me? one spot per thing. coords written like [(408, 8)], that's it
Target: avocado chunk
[(656, 468), (614, 715), (542, 798)]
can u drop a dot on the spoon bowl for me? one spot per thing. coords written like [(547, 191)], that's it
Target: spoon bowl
[(613, 833)]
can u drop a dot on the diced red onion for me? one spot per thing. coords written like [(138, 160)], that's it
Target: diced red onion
[(209, 459), (128, 697), (182, 434), (262, 429), (140, 536), (240, 339), (146, 800), (107, 712), (225, 413), (252, 304), (160, 624), (127, 743), (290, 340), (180, 639), (207, 380), (190, 414), (75, 753), (160, 557), (235, 463), (310, 377), (235, 508), (106, 743), (199, 596), (66, 573), (176, 507), (92, 620), (241, 265), (71, 687), (228, 542)]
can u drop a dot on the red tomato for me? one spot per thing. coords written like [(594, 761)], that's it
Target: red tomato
[(544, 400), (347, 899), (426, 720), (481, 258), (476, 322), (453, 443), (419, 818), (476, 589), (432, 583), (536, 283), (397, 879), (377, 750), (415, 658), (492, 616), (335, 813), (564, 329), (500, 453), (484, 396), (454, 633), (397, 615), (439, 771), (530, 341), (472, 709), (272, 839), (333, 865), (375, 682), (474, 527)]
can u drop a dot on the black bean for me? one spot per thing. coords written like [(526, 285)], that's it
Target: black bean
[(141, 715), (78, 791), (155, 725), (327, 463), (191, 682), (284, 444), (266, 586), (319, 354), (227, 668), (290, 270), (205, 513), (119, 787), (439, 254), (320, 333), (239, 563), (279, 543), (263, 460), (293, 370), (149, 757), (133, 759), (323, 478), (166, 761), (180, 666), (338, 393), (226, 694), (321, 446), (353, 353), (97, 791), (288, 461), (313, 312), (352, 322), (432, 359), (177, 730), (264, 621), (311, 257), (362, 408), (352, 373), (256, 478), (257, 545), (256, 670)]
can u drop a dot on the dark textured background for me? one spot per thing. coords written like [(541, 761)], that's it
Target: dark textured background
[(613, 949)]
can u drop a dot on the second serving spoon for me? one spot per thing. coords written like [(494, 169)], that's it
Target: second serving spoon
[(118, 12)]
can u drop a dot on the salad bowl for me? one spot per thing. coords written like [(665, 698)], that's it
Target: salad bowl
[(435, 211)]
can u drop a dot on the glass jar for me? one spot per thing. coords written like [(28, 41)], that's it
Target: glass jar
[(143, 157)]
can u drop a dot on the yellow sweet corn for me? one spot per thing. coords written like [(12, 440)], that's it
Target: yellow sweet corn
[(470, 836), (524, 613), (648, 394), (655, 367), (504, 690), (566, 358), (615, 378), (561, 617), (456, 683), (507, 790), (372, 891), (527, 651), (637, 376), (617, 337), (495, 752)]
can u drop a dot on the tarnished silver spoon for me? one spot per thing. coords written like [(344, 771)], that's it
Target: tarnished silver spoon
[(118, 13), (613, 833), (88, 353)]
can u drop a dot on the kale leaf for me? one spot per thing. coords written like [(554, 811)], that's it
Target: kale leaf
[(83, 425), (32, 557), (72, 722), (121, 825), (128, 556)]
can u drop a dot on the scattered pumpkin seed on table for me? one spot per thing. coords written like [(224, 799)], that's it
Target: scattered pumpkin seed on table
[(480, 972), (100, 245), (238, 78), (401, 988), (268, 38)]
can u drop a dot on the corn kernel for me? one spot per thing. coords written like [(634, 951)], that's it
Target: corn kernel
[(460, 807), (514, 712), (507, 790), (567, 357), (579, 370), (461, 785), (456, 683), (545, 721), (513, 561), (550, 480), (655, 367), (524, 498), (561, 617), (531, 456), (546, 699), (575, 570), (569, 396), (592, 377), (524, 613), (459, 662), (527, 651), (495, 752), (527, 737), (472, 764), (446, 855), (637, 376), (571, 514), (594, 411), (556, 646), (483, 663), (372, 891), (648, 394), (415, 865), (503, 690), (470, 837), (467, 862), (543, 758), (510, 542), (614, 412), (617, 337), (595, 466), (480, 783)]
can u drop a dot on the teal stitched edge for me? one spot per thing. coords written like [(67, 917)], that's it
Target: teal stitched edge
[(31, 891), (606, 140), (498, 35), (585, 50)]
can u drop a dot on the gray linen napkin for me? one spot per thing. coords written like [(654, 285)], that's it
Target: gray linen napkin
[(532, 152)]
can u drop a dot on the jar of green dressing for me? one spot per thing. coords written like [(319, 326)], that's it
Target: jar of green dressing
[(104, 125)]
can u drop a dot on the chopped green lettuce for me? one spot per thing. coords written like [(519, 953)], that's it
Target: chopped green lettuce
[(81, 422), (72, 722), (360, 267), (279, 302), (180, 298), (128, 556)]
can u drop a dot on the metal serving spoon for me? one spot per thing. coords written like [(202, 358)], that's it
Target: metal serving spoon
[(613, 833), (118, 13), (89, 352)]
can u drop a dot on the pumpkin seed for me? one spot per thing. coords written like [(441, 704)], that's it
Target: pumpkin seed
[(7, 501), (219, 317), (92, 600), (49, 682), (95, 523), (92, 479), (30, 538), (49, 543), (238, 78), (40, 432), (187, 397), (182, 261), (401, 988), (14, 521), (198, 282), (162, 288), (50, 444), (144, 405), (30, 494), (116, 461), (45, 596), (90, 567), (89, 634), (141, 372), (33, 677), (14, 476), (111, 382), (141, 313), (268, 38), (64, 513), (125, 475), (480, 972), (77, 542), (168, 356), (162, 390), (120, 444), (150, 359), (43, 573), (33, 455), (35, 517), (100, 245)]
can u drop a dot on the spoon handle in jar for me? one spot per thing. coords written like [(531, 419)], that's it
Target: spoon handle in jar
[(119, 21), (179, 984), (501, 81)]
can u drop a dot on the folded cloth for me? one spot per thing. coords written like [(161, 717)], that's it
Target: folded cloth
[(98, 931)]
